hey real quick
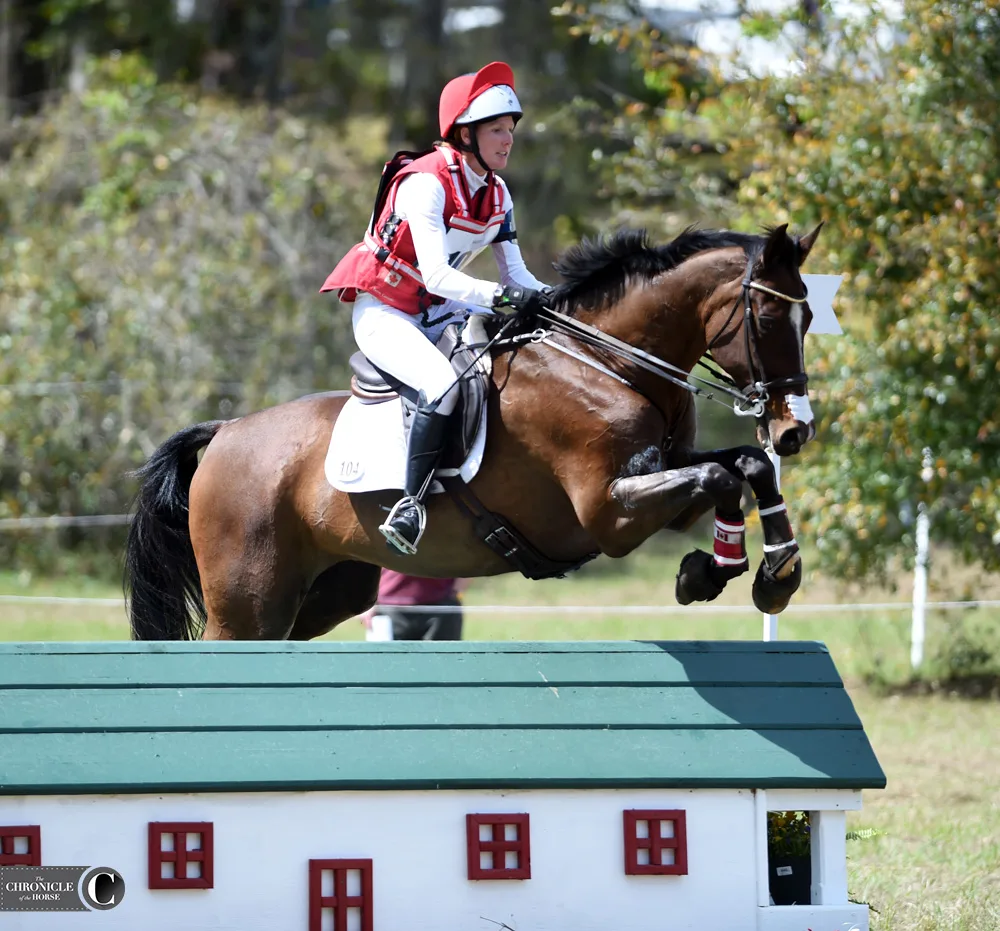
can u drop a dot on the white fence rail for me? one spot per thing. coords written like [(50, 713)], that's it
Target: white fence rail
[(41, 600)]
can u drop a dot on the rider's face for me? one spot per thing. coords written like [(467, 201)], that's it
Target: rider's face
[(495, 141)]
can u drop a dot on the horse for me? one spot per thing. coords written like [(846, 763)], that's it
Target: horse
[(590, 449)]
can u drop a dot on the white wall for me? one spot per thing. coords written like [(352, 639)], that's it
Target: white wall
[(263, 843)]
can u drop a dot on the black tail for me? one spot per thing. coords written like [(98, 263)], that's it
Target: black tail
[(162, 587)]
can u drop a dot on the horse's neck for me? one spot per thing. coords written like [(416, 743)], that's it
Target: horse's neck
[(668, 316)]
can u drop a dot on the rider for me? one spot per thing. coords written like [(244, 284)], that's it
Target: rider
[(434, 214)]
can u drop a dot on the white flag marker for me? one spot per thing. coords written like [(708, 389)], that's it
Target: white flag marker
[(822, 289)]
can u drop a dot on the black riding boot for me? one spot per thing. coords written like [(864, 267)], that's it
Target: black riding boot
[(405, 524)]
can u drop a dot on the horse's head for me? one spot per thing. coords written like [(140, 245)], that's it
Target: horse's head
[(759, 340)]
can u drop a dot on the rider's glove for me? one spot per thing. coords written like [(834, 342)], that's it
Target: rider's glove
[(525, 302)]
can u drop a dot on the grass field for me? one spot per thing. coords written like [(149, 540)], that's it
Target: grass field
[(934, 866)]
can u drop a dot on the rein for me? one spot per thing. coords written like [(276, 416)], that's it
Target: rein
[(748, 402)]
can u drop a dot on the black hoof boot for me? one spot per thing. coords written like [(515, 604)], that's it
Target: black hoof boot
[(772, 594), (695, 580)]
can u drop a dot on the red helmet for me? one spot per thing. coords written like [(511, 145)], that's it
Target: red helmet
[(485, 95)]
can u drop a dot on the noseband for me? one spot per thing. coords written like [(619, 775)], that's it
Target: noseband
[(758, 392)]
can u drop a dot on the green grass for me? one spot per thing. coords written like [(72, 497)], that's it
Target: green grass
[(935, 865)]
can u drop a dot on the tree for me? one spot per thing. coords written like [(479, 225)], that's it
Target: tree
[(162, 257), (895, 146), (892, 143)]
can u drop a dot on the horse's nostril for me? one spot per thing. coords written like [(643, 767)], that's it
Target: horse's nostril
[(791, 439)]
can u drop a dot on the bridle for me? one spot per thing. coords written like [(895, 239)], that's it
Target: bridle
[(749, 401), (758, 392)]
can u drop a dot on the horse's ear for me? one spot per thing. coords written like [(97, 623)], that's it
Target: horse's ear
[(808, 241), (776, 247)]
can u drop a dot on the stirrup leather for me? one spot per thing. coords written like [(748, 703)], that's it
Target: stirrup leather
[(397, 539)]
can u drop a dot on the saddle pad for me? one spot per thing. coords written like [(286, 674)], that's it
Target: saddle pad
[(368, 449)]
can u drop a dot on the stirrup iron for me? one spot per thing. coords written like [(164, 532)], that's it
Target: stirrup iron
[(395, 538)]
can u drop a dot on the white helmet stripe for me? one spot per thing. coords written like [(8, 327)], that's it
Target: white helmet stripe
[(492, 102)]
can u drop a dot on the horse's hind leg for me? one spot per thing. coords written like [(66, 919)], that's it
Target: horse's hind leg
[(344, 590), (252, 574), (243, 607)]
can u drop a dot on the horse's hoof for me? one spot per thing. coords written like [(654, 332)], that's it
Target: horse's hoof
[(772, 594), (694, 579)]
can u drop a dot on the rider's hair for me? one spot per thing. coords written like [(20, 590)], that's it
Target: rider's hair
[(454, 137)]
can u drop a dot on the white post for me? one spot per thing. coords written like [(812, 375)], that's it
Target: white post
[(918, 622), (771, 620), (828, 846), (380, 628), (760, 833)]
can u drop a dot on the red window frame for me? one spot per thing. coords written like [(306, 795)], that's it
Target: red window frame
[(654, 843), (180, 856), (340, 901), (33, 832), (498, 846)]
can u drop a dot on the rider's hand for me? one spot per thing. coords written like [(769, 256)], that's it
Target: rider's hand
[(525, 302)]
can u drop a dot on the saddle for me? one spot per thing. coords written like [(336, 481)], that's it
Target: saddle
[(372, 385)]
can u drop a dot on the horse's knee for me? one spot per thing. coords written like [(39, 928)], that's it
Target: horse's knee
[(721, 485), (754, 464)]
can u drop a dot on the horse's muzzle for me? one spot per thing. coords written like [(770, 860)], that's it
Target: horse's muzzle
[(790, 439)]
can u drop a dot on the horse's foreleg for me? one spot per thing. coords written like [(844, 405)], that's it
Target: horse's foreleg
[(637, 506), (780, 572)]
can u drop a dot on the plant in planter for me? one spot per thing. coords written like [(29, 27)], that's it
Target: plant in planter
[(789, 859)]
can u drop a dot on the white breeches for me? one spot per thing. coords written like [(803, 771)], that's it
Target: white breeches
[(398, 343)]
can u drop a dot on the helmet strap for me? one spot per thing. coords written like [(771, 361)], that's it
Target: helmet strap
[(473, 146)]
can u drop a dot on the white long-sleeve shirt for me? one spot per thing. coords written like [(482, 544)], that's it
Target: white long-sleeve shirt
[(420, 200)]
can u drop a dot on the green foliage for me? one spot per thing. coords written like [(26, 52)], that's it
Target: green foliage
[(896, 149), (161, 260), (887, 133), (658, 141), (962, 657), (967, 658), (787, 834)]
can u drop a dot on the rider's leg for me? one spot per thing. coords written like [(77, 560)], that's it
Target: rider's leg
[(395, 342)]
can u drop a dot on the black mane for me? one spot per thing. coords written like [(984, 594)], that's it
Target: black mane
[(595, 270)]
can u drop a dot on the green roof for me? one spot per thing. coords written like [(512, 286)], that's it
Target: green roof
[(187, 717)]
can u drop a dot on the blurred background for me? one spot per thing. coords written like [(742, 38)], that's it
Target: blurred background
[(177, 177)]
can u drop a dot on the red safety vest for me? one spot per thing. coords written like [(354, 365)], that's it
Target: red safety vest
[(384, 264)]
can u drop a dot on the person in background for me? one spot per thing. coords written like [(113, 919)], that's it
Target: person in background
[(393, 617)]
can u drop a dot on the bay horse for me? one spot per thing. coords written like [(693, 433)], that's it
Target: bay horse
[(589, 450)]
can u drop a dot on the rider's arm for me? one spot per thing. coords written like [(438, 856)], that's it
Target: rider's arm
[(508, 253), (420, 201)]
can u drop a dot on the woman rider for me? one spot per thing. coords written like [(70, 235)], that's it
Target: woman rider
[(433, 216)]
